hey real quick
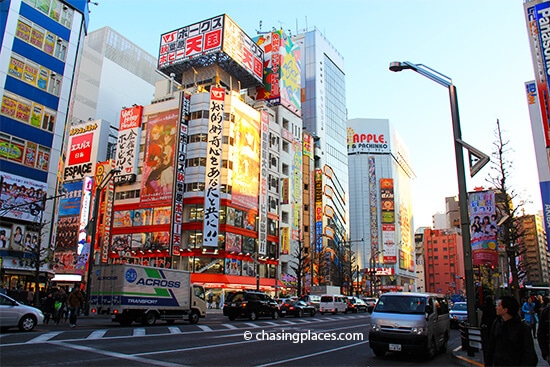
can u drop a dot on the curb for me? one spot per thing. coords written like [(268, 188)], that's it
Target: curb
[(464, 360)]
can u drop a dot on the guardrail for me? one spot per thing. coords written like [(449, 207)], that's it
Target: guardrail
[(471, 339)]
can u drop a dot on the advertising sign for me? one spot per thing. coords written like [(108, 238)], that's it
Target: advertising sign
[(85, 142), (213, 168), (264, 174), (17, 195), (368, 136), (129, 134), (208, 37), (483, 227)]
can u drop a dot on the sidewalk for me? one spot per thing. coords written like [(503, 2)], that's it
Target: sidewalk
[(462, 359)]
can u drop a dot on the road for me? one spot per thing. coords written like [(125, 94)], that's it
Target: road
[(215, 341)]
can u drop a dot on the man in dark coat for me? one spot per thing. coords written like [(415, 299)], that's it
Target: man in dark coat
[(543, 333), (510, 342)]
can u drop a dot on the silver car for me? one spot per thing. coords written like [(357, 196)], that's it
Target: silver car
[(458, 314), (15, 314)]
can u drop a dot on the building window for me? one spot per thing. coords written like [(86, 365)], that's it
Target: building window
[(286, 146)]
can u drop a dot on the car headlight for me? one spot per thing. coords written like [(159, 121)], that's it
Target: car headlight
[(418, 330), (375, 327)]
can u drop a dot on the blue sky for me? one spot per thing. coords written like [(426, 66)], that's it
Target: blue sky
[(481, 45)]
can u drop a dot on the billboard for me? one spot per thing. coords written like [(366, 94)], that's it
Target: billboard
[(158, 167), (263, 201), (127, 151), (86, 141), (209, 37), (20, 196), (282, 71), (368, 136), (213, 168), (483, 227)]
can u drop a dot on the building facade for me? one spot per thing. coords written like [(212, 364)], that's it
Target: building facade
[(381, 206), (533, 261), (40, 47)]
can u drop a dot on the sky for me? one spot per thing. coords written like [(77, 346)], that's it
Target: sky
[(481, 45)]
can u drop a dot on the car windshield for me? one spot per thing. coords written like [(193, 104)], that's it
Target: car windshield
[(401, 304), (459, 307)]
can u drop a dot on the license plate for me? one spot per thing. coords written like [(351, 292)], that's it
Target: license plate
[(233, 304), (283, 311), (395, 347)]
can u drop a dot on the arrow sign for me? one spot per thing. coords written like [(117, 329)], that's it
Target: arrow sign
[(477, 159)]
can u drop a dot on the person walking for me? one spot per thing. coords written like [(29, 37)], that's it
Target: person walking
[(529, 315), (488, 316), (75, 301), (48, 308), (510, 342), (543, 333), (59, 297)]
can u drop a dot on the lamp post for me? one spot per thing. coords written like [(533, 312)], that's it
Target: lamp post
[(461, 176), (94, 221)]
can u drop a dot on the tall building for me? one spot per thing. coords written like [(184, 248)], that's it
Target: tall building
[(443, 261), (533, 261), (381, 206), (324, 119), (41, 43)]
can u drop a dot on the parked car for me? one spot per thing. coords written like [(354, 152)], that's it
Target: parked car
[(312, 300), (297, 309), (250, 304), (356, 305), (371, 302), (458, 314), (15, 314), (333, 303)]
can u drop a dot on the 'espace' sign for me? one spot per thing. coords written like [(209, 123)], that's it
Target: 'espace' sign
[(82, 152)]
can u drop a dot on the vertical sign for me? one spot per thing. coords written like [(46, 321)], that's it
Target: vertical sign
[(129, 132), (373, 205), (263, 197), (179, 177), (107, 209), (483, 227), (83, 249), (213, 168)]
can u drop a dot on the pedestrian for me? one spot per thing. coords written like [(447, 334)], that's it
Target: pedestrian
[(48, 308), (528, 310), (543, 333), (488, 316), (510, 342), (74, 302), (59, 297), (30, 296)]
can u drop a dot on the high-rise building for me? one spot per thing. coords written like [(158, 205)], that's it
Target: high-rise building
[(381, 206), (533, 261), (324, 118), (41, 43)]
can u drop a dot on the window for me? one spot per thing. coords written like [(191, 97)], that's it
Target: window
[(284, 217), (286, 146), (285, 169)]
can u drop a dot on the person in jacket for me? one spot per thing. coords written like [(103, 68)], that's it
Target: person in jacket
[(543, 333), (75, 301), (528, 310), (510, 342), (48, 308)]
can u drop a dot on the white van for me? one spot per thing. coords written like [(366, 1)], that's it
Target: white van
[(410, 323), (333, 303)]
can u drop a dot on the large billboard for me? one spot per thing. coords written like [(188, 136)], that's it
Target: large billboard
[(20, 197), (208, 37), (368, 136), (282, 71), (483, 227)]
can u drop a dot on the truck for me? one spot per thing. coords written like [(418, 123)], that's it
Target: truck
[(134, 293), (319, 290)]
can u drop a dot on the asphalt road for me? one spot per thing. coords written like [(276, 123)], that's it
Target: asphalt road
[(214, 341)]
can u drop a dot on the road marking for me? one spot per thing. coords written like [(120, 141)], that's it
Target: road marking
[(303, 356), (271, 323), (288, 322), (44, 337), (98, 334), (251, 324), (130, 357), (205, 327), (174, 330), (229, 326), (139, 332)]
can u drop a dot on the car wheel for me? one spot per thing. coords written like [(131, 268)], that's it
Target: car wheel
[(335, 311), (300, 313), (312, 313), (322, 313), (149, 319), (275, 315), (253, 316), (194, 317), (379, 352), (27, 323)]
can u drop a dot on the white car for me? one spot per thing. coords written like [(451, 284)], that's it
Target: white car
[(458, 314), (15, 314)]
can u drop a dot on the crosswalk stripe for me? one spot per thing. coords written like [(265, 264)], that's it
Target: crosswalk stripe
[(174, 330), (139, 332), (44, 337), (97, 334), (204, 328), (229, 326)]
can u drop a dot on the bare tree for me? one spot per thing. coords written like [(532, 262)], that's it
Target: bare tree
[(298, 265), (506, 197)]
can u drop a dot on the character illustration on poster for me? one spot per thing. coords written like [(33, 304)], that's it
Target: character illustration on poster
[(232, 267), (233, 242), (5, 234), (18, 239)]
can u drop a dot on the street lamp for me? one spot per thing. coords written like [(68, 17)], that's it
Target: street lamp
[(94, 222), (447, 82)]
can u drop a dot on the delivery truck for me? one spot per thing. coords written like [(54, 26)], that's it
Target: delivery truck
[(133, 293)]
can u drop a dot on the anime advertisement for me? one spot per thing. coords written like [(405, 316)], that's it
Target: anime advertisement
[(483, 227), (158, 167)]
